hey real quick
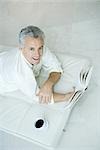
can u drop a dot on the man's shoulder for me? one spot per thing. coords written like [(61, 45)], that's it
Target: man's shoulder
[(11, 50), (47, 51), (9, 55)]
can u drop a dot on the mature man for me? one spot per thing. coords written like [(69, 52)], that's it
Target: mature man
[(20, 66)]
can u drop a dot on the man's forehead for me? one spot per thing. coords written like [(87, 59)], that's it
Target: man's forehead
[(32, 42), (32, 39), (40, 46)]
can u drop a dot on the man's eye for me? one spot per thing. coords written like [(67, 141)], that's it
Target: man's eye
[(32, 49), (41, 48)]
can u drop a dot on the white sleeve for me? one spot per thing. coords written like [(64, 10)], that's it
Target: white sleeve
[(50, 63)]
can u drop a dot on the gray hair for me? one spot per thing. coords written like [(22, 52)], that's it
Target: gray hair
[(30, 31)]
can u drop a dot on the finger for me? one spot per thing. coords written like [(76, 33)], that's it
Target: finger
[(74, 87), (40, 98), (47, 99), (50, 97), (44, 100), (37, 94), (70, 92)]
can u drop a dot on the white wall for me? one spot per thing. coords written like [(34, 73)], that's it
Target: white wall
[(15, 15), (69, 25)]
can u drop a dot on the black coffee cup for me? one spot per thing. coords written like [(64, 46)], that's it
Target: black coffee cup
[(41, 123)]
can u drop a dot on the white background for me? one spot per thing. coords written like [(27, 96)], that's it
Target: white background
[(71, 26)]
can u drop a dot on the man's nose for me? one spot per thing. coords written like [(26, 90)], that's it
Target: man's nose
[(36, 53)]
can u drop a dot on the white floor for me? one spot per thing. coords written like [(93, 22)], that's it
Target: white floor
[(82, 131)]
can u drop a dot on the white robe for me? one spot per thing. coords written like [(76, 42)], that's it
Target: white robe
[(17, 74)]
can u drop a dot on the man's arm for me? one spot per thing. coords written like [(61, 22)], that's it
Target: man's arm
[(46, 90), (53, 78)]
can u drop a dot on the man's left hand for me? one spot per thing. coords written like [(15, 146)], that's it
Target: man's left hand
[(45, 93)]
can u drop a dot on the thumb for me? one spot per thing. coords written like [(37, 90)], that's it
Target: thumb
[(37, 91), (37, 94)]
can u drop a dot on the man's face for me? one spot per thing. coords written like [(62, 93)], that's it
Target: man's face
[(32, 50)]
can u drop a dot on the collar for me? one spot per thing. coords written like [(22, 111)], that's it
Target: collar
[(30, 65)]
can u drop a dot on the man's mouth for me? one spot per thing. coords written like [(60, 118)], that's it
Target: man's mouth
[(35, 58)]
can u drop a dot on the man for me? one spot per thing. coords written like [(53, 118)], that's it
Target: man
[(20, 67)]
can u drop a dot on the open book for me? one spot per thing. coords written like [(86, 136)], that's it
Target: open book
[(84, 79)]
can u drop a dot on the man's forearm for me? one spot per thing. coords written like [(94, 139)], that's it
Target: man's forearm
[(53, 78)]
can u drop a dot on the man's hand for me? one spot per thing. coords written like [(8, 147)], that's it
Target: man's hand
[(45, 93)]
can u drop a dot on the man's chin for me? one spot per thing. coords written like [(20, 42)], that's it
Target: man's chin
[(35, 62)]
